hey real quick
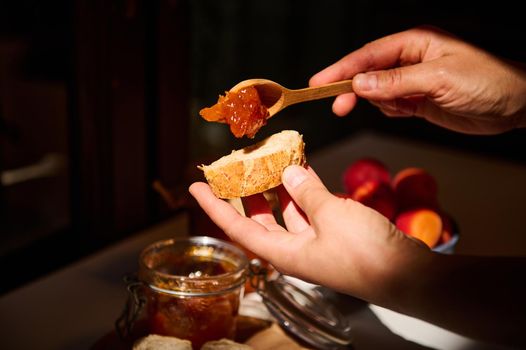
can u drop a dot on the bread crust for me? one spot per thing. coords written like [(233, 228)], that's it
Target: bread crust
[(161, 342), (244, 177)]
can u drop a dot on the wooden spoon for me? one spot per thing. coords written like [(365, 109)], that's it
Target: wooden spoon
[(276, 97)]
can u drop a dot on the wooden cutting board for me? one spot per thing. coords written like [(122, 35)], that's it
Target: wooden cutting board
[(259, 334), (273, 338)]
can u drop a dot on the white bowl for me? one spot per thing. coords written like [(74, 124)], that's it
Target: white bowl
[(449, 246)]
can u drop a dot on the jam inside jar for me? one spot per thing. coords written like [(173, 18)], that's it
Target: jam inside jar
[(191, 288)]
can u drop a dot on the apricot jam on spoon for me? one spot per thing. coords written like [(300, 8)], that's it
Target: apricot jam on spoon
[(248, 105)]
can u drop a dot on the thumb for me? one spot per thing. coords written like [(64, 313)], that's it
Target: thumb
[(396, 83), (307, 190)]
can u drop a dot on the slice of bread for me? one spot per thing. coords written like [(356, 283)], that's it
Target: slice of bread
[(256, 168), (161, 342), (225, 344)]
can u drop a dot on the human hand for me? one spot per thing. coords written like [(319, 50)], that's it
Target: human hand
[(328, 240), (428, 73)]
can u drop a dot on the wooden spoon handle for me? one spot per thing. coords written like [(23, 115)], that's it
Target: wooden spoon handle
[(318, 92)]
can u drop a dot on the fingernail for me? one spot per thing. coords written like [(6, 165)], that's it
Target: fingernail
[(294, 175), (366, 82)]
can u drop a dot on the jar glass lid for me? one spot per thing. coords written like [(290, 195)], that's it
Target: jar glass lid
[(308, 316)]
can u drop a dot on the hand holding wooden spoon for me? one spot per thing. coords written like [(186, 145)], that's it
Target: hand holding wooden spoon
[(248, 105)]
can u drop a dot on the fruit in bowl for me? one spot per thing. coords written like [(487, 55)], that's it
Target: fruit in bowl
[(377, 195), (422, 223), (363, 170), (415, 187), (409, 199)]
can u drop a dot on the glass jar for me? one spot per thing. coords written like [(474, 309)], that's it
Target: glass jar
[(189, 288)]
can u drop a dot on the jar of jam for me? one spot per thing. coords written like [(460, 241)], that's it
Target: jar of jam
[(189, 288)]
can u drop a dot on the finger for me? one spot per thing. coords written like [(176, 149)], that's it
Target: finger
[(429, 111), (257, 208), (438, 116), (294, 218), (306, 190), (249, 233), (394, 113), (418, 79), (397, 107), (379, 54), (220, 211), (344, 104)]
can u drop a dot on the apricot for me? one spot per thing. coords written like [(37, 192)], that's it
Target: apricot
[(415, 187), (362, 170), (378, 196), (422, 223)]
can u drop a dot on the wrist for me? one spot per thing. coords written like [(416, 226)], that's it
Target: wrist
[(416, 275)]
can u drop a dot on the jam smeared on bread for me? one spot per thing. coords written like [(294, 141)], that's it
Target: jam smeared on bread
[(242, 110), (256, 168)]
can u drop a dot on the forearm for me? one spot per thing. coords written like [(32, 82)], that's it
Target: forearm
[(480, 297)]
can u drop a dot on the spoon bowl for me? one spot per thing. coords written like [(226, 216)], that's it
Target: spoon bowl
[(276, 97)]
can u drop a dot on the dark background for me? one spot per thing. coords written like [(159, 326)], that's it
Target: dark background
[(289, 41), (112, 89)]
